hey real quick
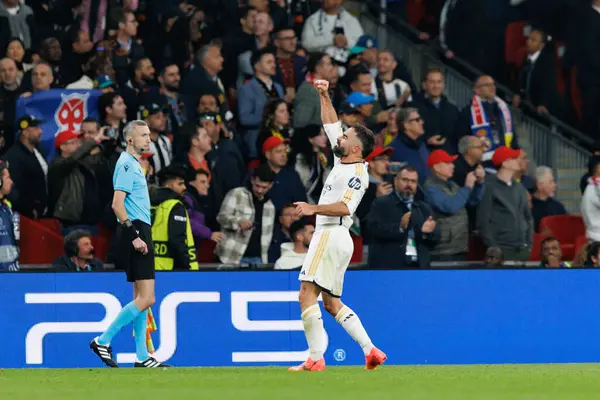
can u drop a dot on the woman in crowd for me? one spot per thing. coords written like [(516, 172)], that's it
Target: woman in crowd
[(275, 122)]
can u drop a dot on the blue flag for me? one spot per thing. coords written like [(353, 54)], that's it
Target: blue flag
[(61, 110)]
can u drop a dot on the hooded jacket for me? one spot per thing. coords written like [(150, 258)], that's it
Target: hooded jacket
[(289, 258)]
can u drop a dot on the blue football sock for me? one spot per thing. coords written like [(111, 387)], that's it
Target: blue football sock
[(139, 326), (127, 315)]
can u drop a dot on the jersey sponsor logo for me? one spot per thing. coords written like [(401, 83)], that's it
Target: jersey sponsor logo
[(71, 112), (179, 218), (354, 183)]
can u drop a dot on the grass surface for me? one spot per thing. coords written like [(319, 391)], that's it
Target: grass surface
[(530, 382)]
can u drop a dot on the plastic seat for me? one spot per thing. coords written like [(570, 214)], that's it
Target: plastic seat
[(536, 248), (565, 228), (39, 244), (357, 255), (205, 250), (515, 40)]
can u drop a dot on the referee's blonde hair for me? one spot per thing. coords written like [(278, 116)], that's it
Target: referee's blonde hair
[(130, 127)]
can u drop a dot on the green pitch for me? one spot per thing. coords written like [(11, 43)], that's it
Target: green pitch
[(479, 382)]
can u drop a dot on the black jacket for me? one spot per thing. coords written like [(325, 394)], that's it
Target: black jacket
[(195, 83), (65, 264), (537, 81), (178, 220), (388, 244), (29, 192), (438, 120), (299, 72)]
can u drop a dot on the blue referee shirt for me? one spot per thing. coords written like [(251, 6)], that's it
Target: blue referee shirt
[(129, 178)]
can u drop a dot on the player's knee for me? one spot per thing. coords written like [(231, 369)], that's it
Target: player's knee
[(148, 301), (306, 297), (332, 305), (330, 308)]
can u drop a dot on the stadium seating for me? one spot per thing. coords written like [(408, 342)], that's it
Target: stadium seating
[(566, 228), (39, 243)]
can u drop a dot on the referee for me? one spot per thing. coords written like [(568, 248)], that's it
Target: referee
[(131, 204)]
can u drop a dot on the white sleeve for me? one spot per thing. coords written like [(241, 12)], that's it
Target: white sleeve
[(333, 131), (353, 31), (312, 39), (355, 189)]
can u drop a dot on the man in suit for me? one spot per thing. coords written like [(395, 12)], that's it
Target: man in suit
[(537, 77), (403, 231), (255, 94)]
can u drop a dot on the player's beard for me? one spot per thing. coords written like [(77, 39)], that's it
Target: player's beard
[(339, 151)]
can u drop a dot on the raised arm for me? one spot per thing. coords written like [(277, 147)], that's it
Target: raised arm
[(331, 125)]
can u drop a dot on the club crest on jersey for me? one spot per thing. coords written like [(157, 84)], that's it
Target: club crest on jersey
[(354, 183), (71, 112)]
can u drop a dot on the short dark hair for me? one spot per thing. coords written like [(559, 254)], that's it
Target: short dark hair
[(548, 240), (314, 61), (166, 65), (71, 241), (288, 205), (259, 54), (119, 15), (106, 100), (356, 71), (91, 120), (593, 250), (244, 11), (433, 70), (407, 168), (193, 174), (171, 172), (298, 226), (138, 61), (366, 137), (264, 173)]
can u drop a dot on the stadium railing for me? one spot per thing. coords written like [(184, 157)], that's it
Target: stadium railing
[(551, 142)]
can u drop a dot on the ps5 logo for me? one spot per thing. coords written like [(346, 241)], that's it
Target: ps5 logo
[(240, 305)]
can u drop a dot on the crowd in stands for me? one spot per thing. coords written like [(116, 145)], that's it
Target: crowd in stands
[(226, 90)]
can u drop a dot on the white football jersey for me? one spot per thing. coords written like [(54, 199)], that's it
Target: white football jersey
[(346, 183)]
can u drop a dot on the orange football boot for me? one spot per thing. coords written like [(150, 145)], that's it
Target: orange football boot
[(310, 365), (375, 358)]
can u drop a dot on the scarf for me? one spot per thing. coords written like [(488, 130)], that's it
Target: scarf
[(481, 127)]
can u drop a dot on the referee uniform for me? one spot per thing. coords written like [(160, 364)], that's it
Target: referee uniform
[(129, 178)]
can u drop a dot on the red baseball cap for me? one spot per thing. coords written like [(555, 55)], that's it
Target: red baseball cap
[(439, 156), (272, 142), (504, 153), (64, 137), (378, 151)]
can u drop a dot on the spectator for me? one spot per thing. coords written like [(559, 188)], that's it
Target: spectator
[(493, 257), (78, 255), (154, 114), (9, 241), (113, 112), (543, 201), (312, 159), (143, 76), (204, 78), (275, 9), (78, 60), (199, 146), (448, 202), (287, 187), (408, 146), (281, 231), (402, 228), (275, 122), (439, 114), (73, 189), (470, 150), (489, 118), (307, 106), (237, 43), (195, 200), (592, 161), (16, 52), (255, 94), (17, 20), (350, 114), (522, 175), (537, 78), (590, 205), (263, 26), (503, 217), (332, 25), (379, 162), (29, 169), (593, 255), (226, 165), (291, 68), (9, 93), (170, 80), (128, 47), (361, 81), (294, 253), (388, 90), (390, 132), (171, 228), (552, 255), (366, 47), (41, 79), (587, 62), (90, 129), (247, 217)]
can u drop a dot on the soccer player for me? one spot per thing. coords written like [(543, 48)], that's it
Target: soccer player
[(331, 247), (131, 204)]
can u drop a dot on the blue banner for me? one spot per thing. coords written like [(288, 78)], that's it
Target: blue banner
[(253, 318), (61, 110)]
